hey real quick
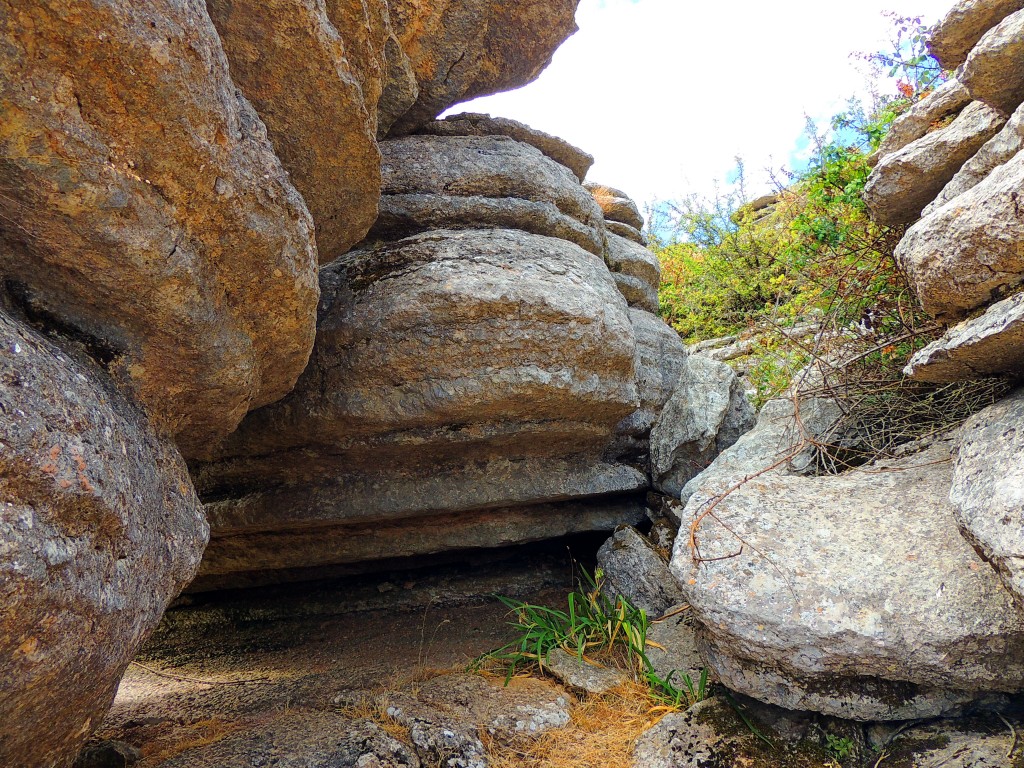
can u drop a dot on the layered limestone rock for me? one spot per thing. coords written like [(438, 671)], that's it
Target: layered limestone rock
[(462, 182), (988, 488), (994, 70), (906, 180), (960, 30), (475, 124), (636, 272), (461, 49), (847, 595), (966, 253), (291, 62), (620, 213), (633, 568), (706, 413), (945, 102), (99, 529), (470, 376), (145, 212)]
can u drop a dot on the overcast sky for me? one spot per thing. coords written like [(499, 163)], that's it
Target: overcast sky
[(665, 93)]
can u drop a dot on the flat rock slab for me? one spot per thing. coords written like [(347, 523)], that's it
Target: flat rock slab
[(987, 345), (633, 259), (847, 595), (948, 100), (988, 487), (963, 26), (303, 740), (636, 571), (582, 675), (905, 181), (675, 653)]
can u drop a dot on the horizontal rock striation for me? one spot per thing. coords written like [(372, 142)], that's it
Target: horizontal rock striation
[(99, 529), (963, 26)]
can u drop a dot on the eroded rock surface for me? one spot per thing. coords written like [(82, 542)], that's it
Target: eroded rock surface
[(634, 569), (946, 101), (807, 598), (994, 70), (100, 528), (145, 211), (963, 26), (291, 62), (988, 487)]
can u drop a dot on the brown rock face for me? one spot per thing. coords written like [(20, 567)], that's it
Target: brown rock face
[(954, 36), (461, 49), (320, 109), (455, 373), (145, 211), (994, 72), (99, 529)]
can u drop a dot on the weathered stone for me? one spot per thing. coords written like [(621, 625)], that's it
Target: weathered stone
[(988, 488), (290, 62), (966, 253), (628, 258), (636, 292), (509, 711), (99, 529), (626, 231), (406, 215), (946, 101), (959, 31), (673, 652), (994, 71), (439, 738), (108, 754), (977, 743), (633, 569), (453, 372), (478, 181), (463, 49), (474, 124), (302, 740), (581, 674), (988, 345), (904, 182), (1000, 149), (852, 595), (145, 211), (616, 205), (706, 413)]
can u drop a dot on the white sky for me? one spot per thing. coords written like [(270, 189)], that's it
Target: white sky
[(665, 93)]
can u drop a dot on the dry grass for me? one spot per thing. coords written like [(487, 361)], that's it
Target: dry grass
[(601, 734)]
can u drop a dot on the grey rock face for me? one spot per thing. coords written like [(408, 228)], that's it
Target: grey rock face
[(461, 182), (626, 231), (965, 254), (994, 71), (628, 258), (156, 220), (634, 569), (581, 674), (616, 205), (677, 654), (707, 412), (954, 744), (960, 30), (100, 529), (290, 62), (453, 372), (947, 100), (1000, 149), (438, 738), (988, 488), (690, 739), (474, 124), (636, 292), (988, 345), (905, 181), (849, 595), (303, 740)]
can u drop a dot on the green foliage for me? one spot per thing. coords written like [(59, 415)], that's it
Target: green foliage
[(593, 626), (838, 747)]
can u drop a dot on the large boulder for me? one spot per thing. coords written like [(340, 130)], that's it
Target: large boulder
[(966, 253), (291, 62), (636, 272), (853, 595), (472, 182), (454, 373), (905, 181), (994, 71), (634, 569), (1000, 149), (988, 488), (616, 205), (100, 528), (145, 212), (461, 49), (706, 413), (474, 124), (963, 26), (990, 344)]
